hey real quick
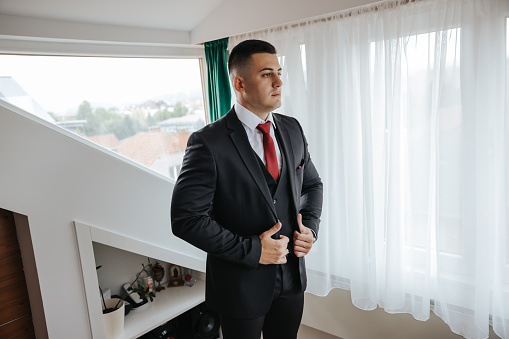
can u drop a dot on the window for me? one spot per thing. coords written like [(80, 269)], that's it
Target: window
[(141, 108), (430, 127)]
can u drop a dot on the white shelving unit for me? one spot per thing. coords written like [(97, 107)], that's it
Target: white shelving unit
[(169, 304)]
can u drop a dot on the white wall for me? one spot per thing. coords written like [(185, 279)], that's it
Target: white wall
[(53, 179)]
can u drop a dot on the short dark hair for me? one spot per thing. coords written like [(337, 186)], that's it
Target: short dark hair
[(240, 55)]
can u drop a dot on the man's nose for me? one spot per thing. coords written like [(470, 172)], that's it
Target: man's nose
[(278, 82)]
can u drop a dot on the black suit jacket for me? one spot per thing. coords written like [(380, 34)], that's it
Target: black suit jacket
[(221, 204)]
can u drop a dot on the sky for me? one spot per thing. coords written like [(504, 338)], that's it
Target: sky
[(62, 83)]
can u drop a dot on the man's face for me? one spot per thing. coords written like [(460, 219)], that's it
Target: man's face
[(259, 89)]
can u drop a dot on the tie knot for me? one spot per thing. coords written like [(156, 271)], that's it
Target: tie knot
[(264, 128)]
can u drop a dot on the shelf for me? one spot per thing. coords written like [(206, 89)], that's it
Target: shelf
[(167, 305)]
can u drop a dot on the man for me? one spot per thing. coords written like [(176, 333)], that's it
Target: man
[(252, 200)]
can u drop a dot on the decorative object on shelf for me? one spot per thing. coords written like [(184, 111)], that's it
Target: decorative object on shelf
[(111, 307), (113, 317), (143, 290), (148, 282), (137, 303), (136, 293), (189, 280), (175, 276), (127, 305), (158, 272)]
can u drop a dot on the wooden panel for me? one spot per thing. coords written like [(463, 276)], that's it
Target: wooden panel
[(9, 243), (19, 329), (13, 297), (13, 309), (10, 255), (7, 223), (10, 264), (13, 290)]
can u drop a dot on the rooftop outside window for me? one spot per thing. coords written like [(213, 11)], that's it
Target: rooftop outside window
[(141, 108)]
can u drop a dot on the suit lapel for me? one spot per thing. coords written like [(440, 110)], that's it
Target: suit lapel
[(239, 139), (286, 146)]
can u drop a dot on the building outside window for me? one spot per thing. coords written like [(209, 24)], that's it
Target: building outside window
[(141, 108)]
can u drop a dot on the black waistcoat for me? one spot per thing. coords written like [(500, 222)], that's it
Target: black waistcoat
[(281, 193)]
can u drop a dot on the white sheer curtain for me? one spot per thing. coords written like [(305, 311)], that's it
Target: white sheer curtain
[(405, 110)]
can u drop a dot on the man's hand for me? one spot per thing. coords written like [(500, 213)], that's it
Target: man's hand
[(303, 241), (274, 251)]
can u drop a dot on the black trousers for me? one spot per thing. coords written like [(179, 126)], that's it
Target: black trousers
[(284, 316)]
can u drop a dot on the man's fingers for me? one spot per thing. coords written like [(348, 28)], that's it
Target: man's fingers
[(276, 256), (285, 239), (302, 243), (273, 230), (307, 235), (274, 251), (301, 251), (302, 239), (299, 254), (281, 246)]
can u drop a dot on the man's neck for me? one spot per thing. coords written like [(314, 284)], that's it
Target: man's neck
[(263, 116)]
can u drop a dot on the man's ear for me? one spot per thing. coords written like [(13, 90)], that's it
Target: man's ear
[(238, 84)]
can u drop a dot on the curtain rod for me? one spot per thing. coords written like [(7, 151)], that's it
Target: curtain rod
[(373, 7)]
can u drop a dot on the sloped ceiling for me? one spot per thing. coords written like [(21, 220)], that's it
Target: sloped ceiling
[(176, 15), (167, 21)]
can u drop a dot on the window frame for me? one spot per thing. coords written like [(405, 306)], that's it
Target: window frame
[(33, 46)]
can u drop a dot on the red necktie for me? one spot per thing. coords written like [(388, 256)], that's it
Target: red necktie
[(269, 150)]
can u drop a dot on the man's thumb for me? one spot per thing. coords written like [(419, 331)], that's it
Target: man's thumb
[(274, 229)]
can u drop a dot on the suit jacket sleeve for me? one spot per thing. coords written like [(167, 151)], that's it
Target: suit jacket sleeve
[(192, 202), (311, 198)]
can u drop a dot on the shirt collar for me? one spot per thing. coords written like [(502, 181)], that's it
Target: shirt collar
[(250, 119)]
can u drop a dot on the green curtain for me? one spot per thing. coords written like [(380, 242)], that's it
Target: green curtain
[(216, 55)]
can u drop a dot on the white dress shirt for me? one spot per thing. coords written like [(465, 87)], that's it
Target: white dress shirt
[(250, 121)]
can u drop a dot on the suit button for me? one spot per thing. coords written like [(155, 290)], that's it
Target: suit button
[(274, 201)]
